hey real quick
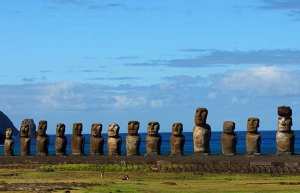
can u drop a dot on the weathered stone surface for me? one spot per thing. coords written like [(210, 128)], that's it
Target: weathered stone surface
[(285, 137), (25, 139), (42, 140), (228, 138), (114, 141), (177, 140), (9, 143), (61, 140), (153, 139), (32, 133), (133, 139), (201, 132), (77, 140), (96, 140), (253, 138)]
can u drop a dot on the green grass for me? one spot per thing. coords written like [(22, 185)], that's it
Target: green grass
[(147, 181)]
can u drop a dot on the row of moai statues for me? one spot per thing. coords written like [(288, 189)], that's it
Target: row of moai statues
[(285, 137), (114, 141)]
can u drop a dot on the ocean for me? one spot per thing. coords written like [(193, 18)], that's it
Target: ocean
[(268, 143)]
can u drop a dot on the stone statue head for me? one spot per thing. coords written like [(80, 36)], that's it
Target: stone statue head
[(24, 130), (177, 129), (284, 123), (96, 129), (8, 133), (200, 116), (60, 130), (252, 124), (77, 128), (284, 111), (42, 127), (153, 128), (228, 127), (133, 127), (113, 130)]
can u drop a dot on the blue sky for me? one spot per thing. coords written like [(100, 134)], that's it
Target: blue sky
[(90, 61)]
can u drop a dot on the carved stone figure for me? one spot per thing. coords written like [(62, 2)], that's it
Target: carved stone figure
[(42, 139), (133, 139), (114, 141), (153, 139), (77, 140), (96, 140), (32, 133), (177, 140), (24, 139), (228, 138), (285, 137), (253, 139), (201, 132), (61, 140), (9, 143)]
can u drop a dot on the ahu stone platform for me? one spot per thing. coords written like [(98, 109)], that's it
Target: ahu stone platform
[(240, 163)]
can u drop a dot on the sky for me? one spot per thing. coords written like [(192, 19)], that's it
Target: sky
[(110, 61)]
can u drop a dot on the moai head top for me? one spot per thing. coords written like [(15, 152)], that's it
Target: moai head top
[(113, 130), (252, 124), (8, 133), (284, 118), (42, 127), (96, 129), (60, 130), (228, 127), (77, 128), (200, 116), (153, 128), (133, 127), (177, 129), (24, 130)]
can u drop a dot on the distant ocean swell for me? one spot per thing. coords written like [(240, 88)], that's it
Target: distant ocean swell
[(268, 143)]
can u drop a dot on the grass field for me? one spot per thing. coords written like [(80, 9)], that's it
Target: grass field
[(149, 181)]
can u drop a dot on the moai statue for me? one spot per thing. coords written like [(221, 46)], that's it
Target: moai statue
[(24, 139), (253, 138), (42, 139), (133, 139), (9, 143), (61, 140), (96, 140), (177, 140), (114, 141), (285, 137), (201, 132), (228, 138), (77, 140), (153, 139)]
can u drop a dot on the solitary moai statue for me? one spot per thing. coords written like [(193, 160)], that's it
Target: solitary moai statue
[(96, 140), (253, 139), (177, 140), (114, 141), (9, 143), (201, 132), (61, 140), (77, 140), (24, 139), (42, 139), (228, 138), (285, 137), (133, 139), (153, 139)]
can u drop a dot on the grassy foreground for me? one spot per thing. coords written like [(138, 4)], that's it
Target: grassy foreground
[(151, 181)]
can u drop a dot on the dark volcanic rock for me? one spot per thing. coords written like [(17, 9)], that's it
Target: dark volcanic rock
[(5, 123)]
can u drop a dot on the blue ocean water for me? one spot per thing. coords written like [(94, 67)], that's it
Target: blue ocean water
[(268, 143)]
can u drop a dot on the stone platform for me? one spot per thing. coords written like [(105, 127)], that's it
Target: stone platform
[(273, 164)]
